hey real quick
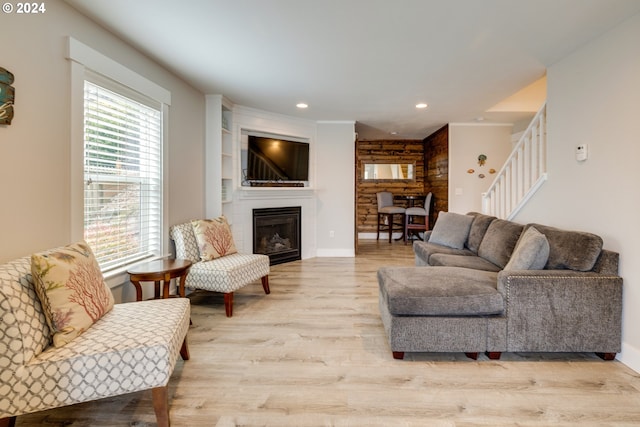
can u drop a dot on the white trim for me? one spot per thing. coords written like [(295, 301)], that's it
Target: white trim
[(97, 62), (84, 59), (335, 253)]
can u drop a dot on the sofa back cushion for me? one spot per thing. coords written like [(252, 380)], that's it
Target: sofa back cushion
[(185, 240), (499, 241), (24, 332), (479, 226), (451, 230), (570, 250), (531, 252)]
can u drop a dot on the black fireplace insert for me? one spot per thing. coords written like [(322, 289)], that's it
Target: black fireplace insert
[(276, 233)]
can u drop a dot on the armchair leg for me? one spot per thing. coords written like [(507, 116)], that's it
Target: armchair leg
[(8, 422), (160, 397), (184, 350), (265, 284), (228, 304)]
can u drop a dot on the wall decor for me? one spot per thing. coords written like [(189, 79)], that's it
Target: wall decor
[(7, 95), (482, 160)]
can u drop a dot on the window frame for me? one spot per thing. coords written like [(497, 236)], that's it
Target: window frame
[(84, 61)]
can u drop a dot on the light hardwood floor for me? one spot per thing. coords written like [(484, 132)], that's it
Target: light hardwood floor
[(314, 353)]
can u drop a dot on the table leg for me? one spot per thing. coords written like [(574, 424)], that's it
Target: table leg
[(167, 283), (181, 290), (136, 284)]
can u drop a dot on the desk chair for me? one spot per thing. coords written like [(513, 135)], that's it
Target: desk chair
[(411, 227), (386, 213)]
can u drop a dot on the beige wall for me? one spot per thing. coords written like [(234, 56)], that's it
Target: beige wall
[(593, 99), (35, 148), (466, 143)]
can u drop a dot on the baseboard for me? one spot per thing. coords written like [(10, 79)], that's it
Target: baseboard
[(383, 236), (630, 356), (337, 253)]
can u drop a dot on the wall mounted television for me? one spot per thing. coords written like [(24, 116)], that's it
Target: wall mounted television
[(276, 159)]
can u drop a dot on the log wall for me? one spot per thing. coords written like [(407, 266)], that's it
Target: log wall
[(436, 153), (385, 151)]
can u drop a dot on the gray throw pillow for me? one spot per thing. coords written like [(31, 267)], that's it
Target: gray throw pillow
[(531, 252), (451, 230)]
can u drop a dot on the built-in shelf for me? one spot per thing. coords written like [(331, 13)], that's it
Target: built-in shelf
[(220, 182)]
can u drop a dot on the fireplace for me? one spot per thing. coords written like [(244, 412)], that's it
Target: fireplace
[(276, 233)]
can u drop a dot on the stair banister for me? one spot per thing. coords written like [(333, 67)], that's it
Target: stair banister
[(524, 171)]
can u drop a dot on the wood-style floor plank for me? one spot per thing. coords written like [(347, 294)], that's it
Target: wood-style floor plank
[(314, 353)]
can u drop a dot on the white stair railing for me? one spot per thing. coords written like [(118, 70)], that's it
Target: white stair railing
[(522, 174)]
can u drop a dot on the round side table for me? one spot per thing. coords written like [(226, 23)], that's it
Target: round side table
[(162, 270)]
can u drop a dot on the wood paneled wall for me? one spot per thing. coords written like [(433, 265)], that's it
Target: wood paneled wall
[(436, 151), (385, 151)]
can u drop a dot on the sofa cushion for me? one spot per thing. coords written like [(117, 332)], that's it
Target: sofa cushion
[(185, 241), (214, 238), (424, 250), (439, 291), (478, 228), (531, 252), (473, 261), (499, 241), (71, 289), (570, 250), (451, 229)]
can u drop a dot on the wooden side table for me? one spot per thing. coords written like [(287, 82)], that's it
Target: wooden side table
[(162, 270)]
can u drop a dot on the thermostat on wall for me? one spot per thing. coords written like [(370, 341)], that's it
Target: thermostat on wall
[(582, 152)]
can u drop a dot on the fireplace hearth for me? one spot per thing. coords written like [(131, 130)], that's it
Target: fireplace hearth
[(276, 233)]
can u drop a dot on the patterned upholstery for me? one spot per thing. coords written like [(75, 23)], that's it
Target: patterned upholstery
[(225, 274), (133, 347)]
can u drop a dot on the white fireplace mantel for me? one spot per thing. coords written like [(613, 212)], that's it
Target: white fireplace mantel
[(248, 198), (257, 193)]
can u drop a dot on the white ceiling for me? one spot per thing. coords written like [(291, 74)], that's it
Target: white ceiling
[(365, 60)]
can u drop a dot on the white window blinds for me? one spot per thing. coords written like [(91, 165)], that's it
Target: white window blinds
[(122, 175)]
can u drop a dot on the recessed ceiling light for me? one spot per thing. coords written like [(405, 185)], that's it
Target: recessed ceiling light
[(302, 105), (421, 105), (393, 132)]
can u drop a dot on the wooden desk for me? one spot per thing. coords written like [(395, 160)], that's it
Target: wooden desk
[(162, 270)]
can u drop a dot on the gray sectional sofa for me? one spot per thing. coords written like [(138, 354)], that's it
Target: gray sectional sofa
[(483, 284)]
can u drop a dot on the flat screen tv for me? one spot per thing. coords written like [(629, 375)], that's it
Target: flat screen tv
[(274, 159)]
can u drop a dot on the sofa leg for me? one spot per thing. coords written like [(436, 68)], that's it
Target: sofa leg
[(606, 356), (184, 350), (473, 356), (160, 397), (494, 355), (228, 304), (399, 355), (8, 422), (265, 284)]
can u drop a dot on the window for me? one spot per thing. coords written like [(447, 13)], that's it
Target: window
[(119, 189), (122, 173)]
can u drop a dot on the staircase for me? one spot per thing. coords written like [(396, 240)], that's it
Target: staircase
[(522, 174)]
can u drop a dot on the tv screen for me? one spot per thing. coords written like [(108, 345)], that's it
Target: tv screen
[(272, 159)]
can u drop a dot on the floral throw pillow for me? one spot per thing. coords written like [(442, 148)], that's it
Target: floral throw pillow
[(71, 288), (214, 238)]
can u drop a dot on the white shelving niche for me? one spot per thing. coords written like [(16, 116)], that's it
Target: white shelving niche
[(220, 154)]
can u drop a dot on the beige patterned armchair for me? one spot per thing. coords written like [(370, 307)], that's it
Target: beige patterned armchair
[(133, 347), (224, 274)]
